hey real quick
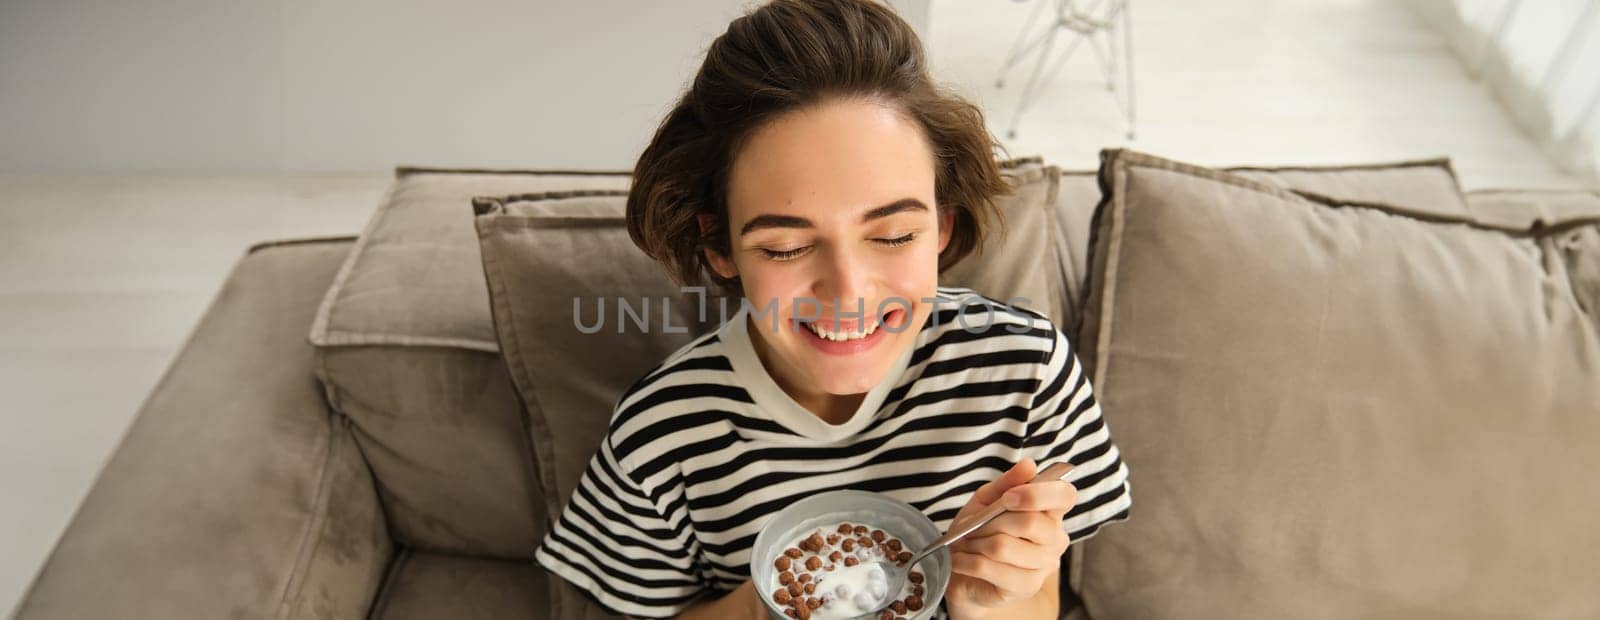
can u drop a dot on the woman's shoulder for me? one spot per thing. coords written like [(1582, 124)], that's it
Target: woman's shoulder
[(961, 307), (682, 397), (697, 370), (704, 352)]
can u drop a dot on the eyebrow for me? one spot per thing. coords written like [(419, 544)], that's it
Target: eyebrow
[(791, 221)]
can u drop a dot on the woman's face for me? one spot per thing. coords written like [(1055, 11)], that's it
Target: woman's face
[(835, 201)]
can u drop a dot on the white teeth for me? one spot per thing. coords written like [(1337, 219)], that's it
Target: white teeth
[(844, 335)]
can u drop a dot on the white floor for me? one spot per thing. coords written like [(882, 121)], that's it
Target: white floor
[(1240, 82), (102, 278)]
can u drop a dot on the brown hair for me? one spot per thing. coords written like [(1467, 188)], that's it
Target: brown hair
[(783, 56)]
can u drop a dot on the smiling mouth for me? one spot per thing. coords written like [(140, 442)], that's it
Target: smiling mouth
[(821, 328), (843, 335)]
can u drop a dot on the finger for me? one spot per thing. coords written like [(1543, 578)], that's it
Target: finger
[(1019, 474), (1042, 496), (1010, 580), (1036, 527), (1018, 552)]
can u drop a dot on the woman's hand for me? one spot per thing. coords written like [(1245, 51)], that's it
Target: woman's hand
[(1010, 559)]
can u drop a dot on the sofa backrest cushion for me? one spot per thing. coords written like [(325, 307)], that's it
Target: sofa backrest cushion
[(1426, 187), (406, 348), (1334, 406)]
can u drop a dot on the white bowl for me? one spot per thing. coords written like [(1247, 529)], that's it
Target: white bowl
[(893, 516)]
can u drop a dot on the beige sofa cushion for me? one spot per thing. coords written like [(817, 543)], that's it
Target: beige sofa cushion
[(380, 297), (544, 250), (1425, 187), (1335, 410), (1017, 260), (406, 349)]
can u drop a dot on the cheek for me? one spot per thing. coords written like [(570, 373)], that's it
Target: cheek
[(765, 281), (917, 270)]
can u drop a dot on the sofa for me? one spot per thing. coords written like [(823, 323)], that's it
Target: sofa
[(1341, 391)]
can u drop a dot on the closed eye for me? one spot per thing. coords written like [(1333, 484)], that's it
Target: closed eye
[(784, 255), (898, 241)]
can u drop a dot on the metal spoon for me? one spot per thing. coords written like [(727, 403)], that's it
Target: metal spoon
[(895, 576)]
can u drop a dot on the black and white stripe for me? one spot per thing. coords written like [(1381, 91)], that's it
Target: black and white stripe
[(691, 468)]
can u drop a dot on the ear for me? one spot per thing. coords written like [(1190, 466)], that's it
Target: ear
[(947, 223), (723, 266)]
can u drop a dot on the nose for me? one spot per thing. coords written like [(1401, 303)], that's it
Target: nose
[(845, 275)]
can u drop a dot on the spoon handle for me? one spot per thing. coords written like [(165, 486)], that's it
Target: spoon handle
[(960, 530)]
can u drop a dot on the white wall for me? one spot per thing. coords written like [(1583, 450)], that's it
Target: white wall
[(353, 85)]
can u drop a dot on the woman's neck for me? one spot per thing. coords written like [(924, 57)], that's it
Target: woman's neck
[(834, 409)]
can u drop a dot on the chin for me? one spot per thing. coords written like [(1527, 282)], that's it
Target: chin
[(845, 377), (853, 386)]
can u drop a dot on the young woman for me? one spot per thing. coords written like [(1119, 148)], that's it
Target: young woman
[(814, 169)]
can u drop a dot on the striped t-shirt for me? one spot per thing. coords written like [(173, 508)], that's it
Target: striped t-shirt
[(706, 447)]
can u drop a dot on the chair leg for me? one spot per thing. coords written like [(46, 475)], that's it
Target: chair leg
[(1085, 27), (1105, 61), (1027, 90), (1111, 71), (1018, 50)]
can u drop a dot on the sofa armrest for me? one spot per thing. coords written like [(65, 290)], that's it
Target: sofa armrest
[(236, 492)]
